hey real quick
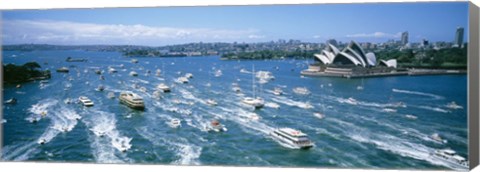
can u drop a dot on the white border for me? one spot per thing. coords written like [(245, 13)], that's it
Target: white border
[(62, 167)]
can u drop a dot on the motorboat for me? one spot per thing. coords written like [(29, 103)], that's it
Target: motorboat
[(133, 73), (389, 110), (175, 123), (359, 87), (19, 86), (98, 71), (189, 75), (255, 102), (111, 95), (218, 73), (100, 88), (301, 90), (451, 157), (132, 100), (436, 137), (134, 61), (453, 105), (211, 102), (182, 80), (68, 101), (163, 87), (143, 89), (158, 72), (63, 69), (292, 137), (411, 117), (42, 141), (236, 89), (318, 115), (351, 101), (216, 126), (277, 91), (11, 101), (85, 101), (112, 70)]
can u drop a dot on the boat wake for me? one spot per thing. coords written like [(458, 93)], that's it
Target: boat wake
[(418, 93), (289, 102)]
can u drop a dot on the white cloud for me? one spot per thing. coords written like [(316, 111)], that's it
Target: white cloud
[(63, 32), (375, 35)]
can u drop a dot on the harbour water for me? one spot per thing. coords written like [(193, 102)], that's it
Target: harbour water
[(372, 132)]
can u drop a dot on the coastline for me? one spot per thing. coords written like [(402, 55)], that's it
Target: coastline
[(409, 72)]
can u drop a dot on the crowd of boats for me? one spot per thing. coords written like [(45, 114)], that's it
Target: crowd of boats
[(292, 137)]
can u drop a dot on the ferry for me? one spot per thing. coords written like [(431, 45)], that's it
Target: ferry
[(292, 137), (85, 101), (216, 126), (163, 87), (132, 100), (451, 157)]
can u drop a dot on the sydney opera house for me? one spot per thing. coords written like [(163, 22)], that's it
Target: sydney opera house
[(352, 61)]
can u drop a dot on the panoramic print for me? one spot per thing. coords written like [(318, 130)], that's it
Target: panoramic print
[(372, 86)]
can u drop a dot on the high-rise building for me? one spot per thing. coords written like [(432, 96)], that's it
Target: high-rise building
[(458, 42), (404, 38)]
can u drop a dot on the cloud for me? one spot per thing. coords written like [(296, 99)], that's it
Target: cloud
[(375, 35), (64, 32)]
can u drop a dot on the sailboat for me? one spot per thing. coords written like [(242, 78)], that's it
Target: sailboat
[(254, 101)]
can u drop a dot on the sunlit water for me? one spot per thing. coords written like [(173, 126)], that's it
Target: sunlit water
[(374, 133)]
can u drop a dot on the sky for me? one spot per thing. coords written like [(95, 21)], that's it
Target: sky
[(372, 22)]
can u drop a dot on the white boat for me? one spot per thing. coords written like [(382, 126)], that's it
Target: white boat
[(318, 115), (389, 110), (211, 102), (11, 101), (63, 69), (351, 101), (359, 87), (277, 91), (85, 101), (143, 89), (265, 75), (254, 101), (436, 137), (111, 95), (236, 89), (175, 123), (163, 87), (301, 90), (216, 126), (68, 101), (134, 61), (451, 157), (158, 72), (112, 70), (189, 75), (100, 88), (453, 105), (182, 80), (132, 100), (411, 117), (133, 73), (292, 137), (218, 73), (42, 141)]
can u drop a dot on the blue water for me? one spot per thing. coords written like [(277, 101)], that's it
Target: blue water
[(350, 136)]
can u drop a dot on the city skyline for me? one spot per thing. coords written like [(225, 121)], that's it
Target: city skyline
[(378, 22)]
